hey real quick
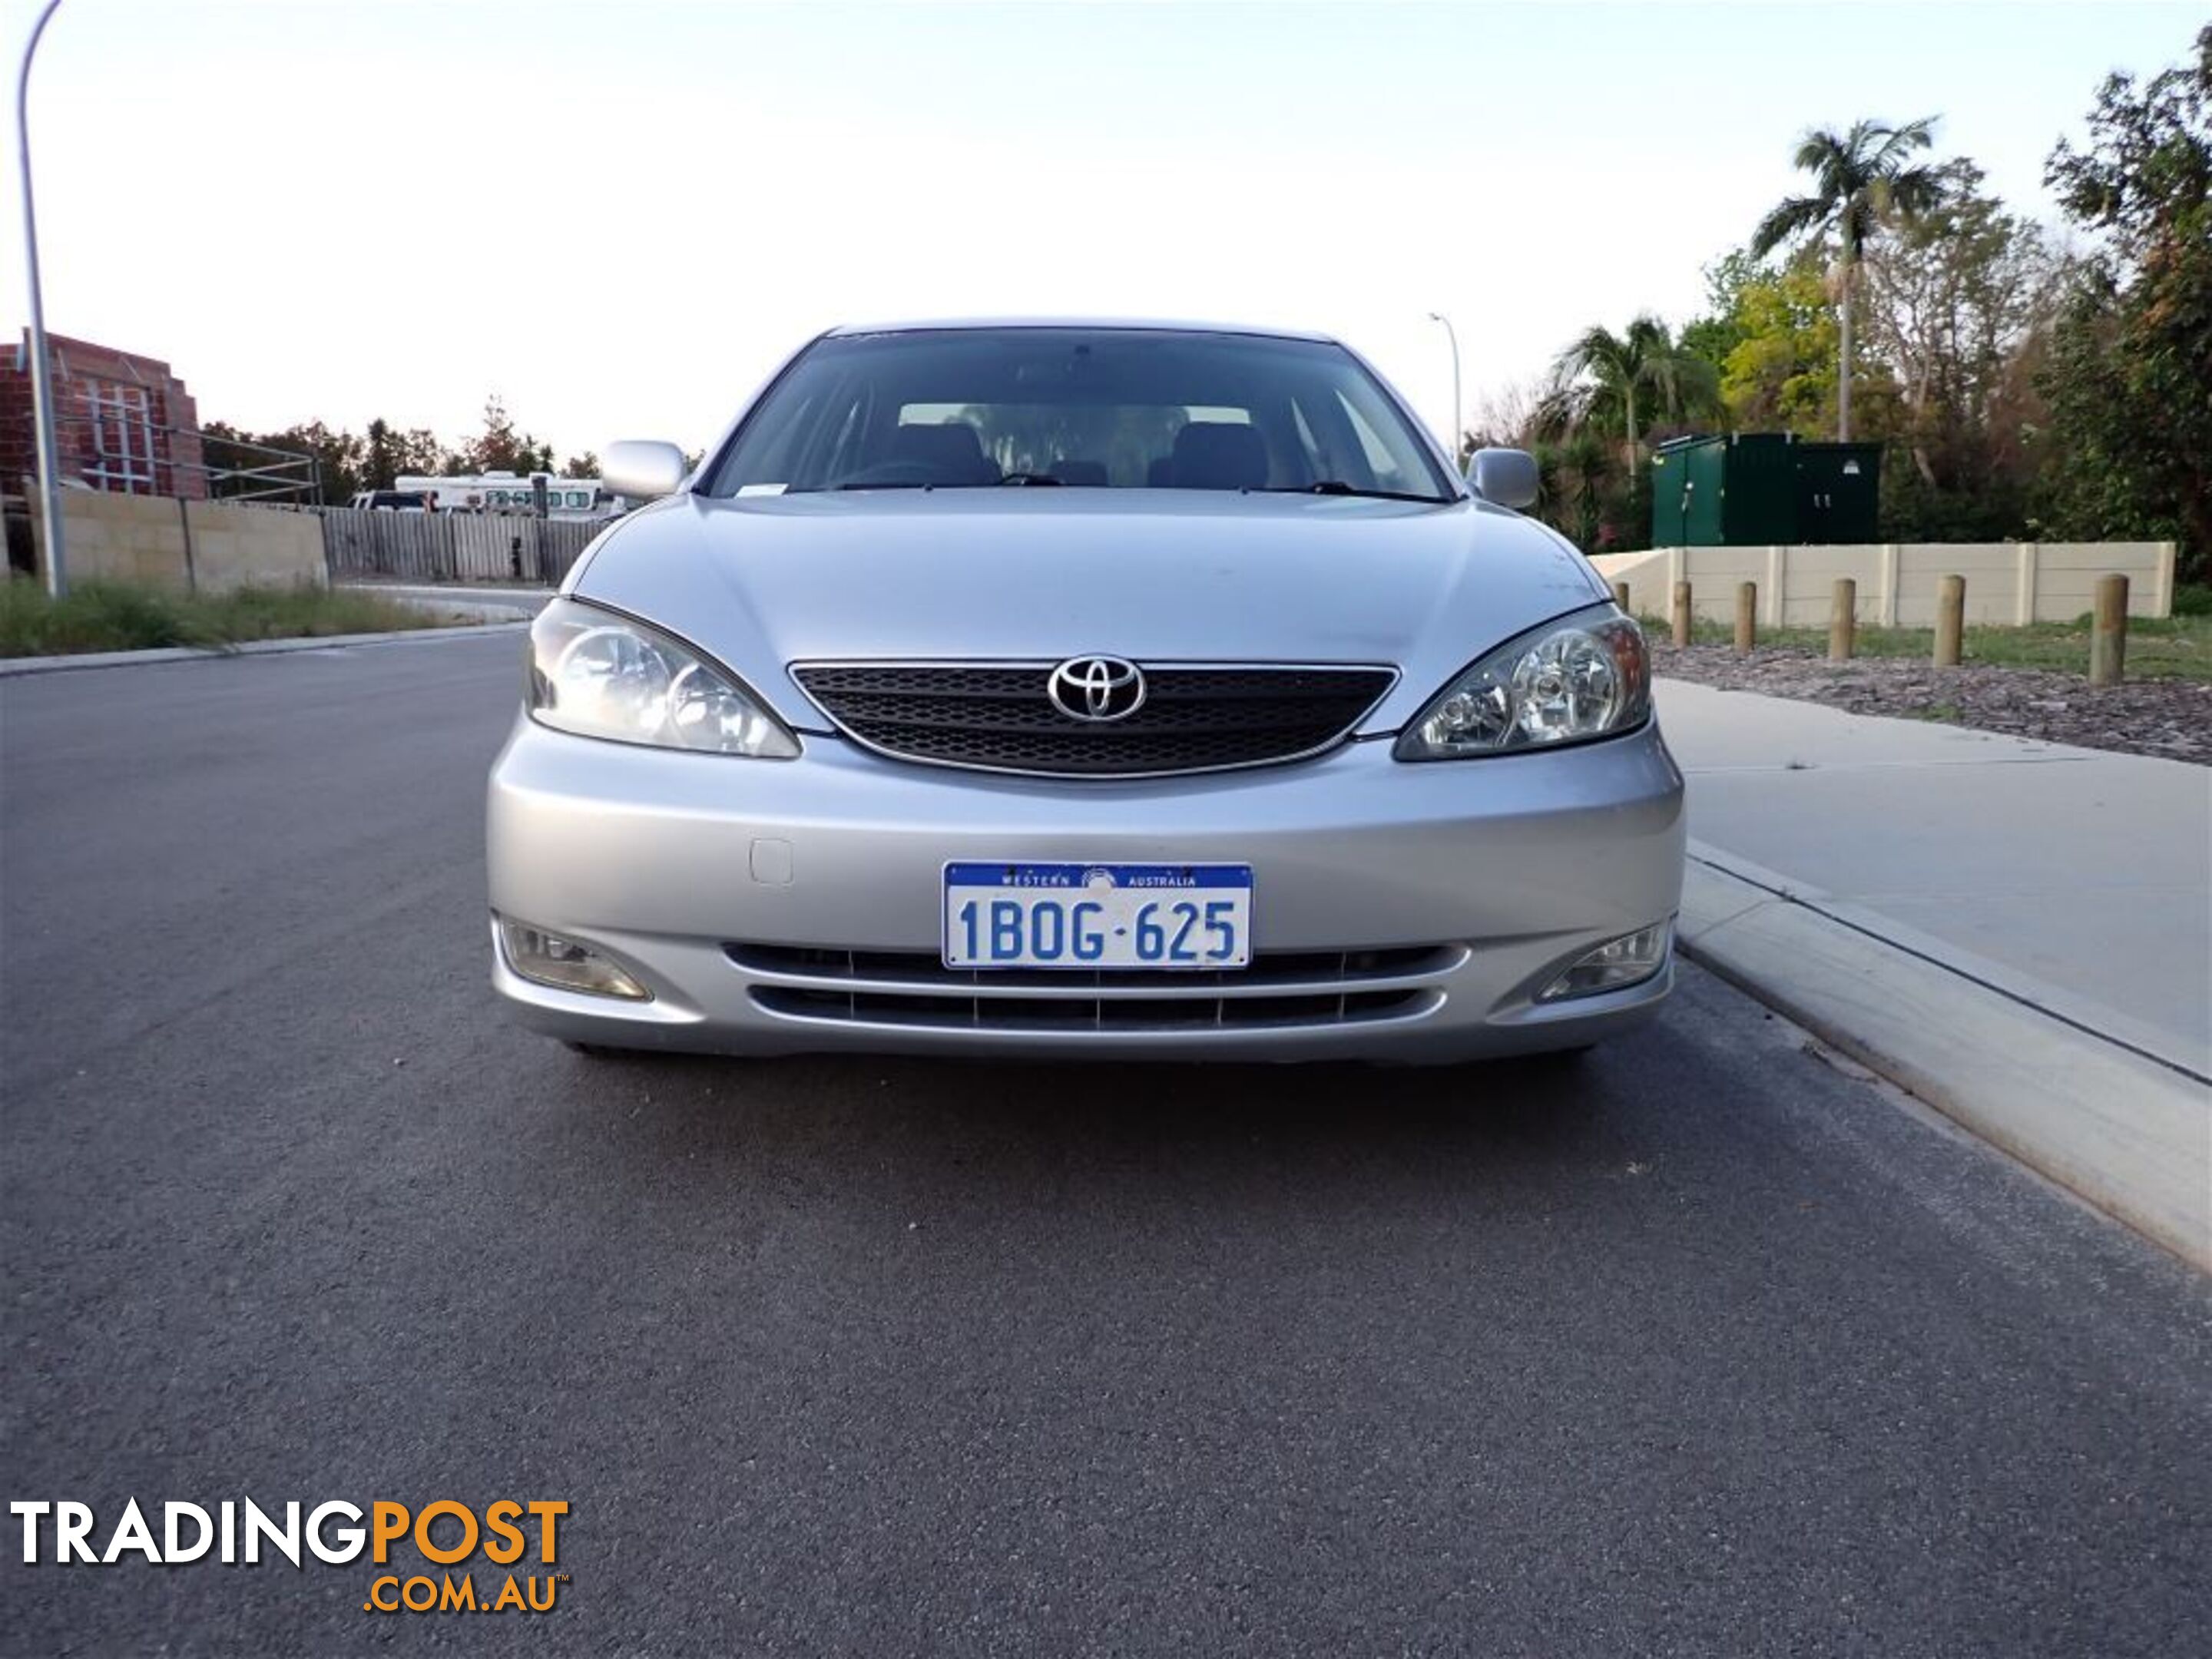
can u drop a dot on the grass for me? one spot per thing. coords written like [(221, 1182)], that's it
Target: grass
[(122, 617), (2164, 648)]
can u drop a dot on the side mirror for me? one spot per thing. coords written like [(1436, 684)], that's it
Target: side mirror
[(1507, 478), (641, 468)]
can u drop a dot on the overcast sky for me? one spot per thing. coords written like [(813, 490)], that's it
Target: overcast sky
[(620, 217)]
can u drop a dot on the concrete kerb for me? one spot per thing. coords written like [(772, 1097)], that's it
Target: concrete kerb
[(86, 660), (2106, 1114), (479, 604)]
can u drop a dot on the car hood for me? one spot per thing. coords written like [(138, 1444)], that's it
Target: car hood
[(1039, 575)]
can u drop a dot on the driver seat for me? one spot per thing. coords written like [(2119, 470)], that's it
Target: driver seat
[(952, 448), (1219, 455)]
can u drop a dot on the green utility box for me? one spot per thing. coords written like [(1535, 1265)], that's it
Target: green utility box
[(1838, 492), (1762, 489)]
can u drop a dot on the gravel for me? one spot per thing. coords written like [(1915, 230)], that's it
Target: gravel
[(2169, 719)]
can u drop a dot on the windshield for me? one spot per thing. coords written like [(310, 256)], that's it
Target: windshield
[(1091, 407)]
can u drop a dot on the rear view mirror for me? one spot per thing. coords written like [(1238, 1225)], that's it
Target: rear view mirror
[(1507, 478), (641, 468)]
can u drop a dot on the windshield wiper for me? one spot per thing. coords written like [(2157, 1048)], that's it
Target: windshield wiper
[(933, 483), (1339, 487)]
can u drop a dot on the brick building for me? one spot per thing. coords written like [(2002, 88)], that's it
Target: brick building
[(122, 423)]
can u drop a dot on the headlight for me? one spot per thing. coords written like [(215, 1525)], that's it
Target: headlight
[(604, 676), (1562, 683)]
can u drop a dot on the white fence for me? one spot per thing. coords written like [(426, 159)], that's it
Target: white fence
[(2007, 582), (452, 546)]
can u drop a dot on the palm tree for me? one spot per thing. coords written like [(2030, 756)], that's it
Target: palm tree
[(1578, 474), (1603, 373), (1860, 177)]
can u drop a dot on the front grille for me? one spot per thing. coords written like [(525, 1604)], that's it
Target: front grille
[(1305, 969), (1088, 1014), (913, 988), (998, 716)]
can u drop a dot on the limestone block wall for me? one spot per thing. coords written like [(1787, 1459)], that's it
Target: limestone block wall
[(2007, 582), (187, 546)]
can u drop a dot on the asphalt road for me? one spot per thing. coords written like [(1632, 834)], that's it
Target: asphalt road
[(1705, 1348)]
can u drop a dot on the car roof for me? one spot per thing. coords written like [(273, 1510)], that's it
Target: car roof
[(1161, 325)]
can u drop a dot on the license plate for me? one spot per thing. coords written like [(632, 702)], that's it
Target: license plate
[(1191, 916)]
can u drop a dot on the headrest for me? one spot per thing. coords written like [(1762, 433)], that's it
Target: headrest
[(1219, 455)]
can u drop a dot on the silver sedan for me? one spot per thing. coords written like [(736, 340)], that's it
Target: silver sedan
[(1083, 689)]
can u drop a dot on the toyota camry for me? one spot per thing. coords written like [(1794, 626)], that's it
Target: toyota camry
[(1086, 689)]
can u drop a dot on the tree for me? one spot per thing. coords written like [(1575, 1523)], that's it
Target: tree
[(1583, 490), (379, 467), (1602, 373), (498, 448), (2132, 357), (1861, 183), (501, 447), (1718, 333), (338, 459), (1959, 303), (1781, 372), (1511, 417), (585, 465), (419, 451), (1580, 495), (1021, 439), (223, 449), (389, 455), (337, 455)]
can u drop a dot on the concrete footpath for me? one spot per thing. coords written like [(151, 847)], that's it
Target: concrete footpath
[(2018, 933)]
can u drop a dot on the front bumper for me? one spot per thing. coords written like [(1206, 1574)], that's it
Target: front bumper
[(1406, 912)]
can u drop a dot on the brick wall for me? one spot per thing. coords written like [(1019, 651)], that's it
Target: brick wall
[(110, 411)]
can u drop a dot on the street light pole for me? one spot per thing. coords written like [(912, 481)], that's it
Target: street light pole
[(42, 385), (1459, 430)]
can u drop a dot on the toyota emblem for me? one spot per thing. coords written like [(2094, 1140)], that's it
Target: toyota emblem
[(1096, 688)]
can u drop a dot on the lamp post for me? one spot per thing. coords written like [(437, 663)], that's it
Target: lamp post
[(42, 385), (1458, 431)]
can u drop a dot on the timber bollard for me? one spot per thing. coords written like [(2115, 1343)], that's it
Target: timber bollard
[(1843, 620), (1746, 614), (1620, 597), (2108, 640), (1950, 620), (1681, 613)]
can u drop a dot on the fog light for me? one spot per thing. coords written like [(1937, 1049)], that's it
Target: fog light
[(1628, 960), (549, 959)]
